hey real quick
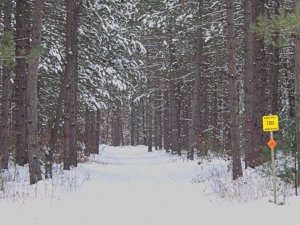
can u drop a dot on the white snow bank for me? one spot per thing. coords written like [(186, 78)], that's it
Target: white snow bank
[(128, 185)]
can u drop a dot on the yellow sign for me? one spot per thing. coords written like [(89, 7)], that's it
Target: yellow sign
[(270, 123)]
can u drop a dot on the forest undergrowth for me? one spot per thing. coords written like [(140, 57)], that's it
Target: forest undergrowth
[(16, 187), (216, 175)]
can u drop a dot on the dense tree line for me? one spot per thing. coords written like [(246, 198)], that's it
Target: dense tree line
[(181, 75)]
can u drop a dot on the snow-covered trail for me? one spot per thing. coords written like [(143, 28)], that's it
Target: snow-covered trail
[(131, 186), (137, 187)]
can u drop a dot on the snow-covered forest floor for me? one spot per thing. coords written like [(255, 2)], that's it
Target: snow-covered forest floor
[(128, 185)]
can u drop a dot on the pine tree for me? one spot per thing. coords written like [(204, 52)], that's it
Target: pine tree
[(71, 73), (22, 16), (34, 156), (234, 101), (6, 51)]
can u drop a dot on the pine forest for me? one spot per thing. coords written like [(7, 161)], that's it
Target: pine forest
[(189, 77)]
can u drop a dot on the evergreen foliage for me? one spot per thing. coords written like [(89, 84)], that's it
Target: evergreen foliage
[(285, 23), (287, 155), (6, 50), (35, 53)]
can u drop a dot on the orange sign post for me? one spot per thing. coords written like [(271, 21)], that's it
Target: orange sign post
[(270, 124), (272, 143)]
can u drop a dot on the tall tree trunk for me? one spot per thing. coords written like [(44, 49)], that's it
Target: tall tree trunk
[(144, 122), (185, 122), (88, 130), (2, 151), (214, 123), (117, 127), (173, 94), (248, 80), (98, 118), (6, 89), (259, 138), (166, 122), (115, 134), (179, 117), (297, 90), (74, 81), (275, 81), (21, 71), (275, 70), (149, 112), (159, 121), (156, 114), (32, 112), (195, 126), (173, 117), (121, 127), (93, 133), (233, 97), (70, 140), (132, 123)]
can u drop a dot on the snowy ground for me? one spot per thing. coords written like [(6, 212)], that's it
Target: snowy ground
[(131, 186)]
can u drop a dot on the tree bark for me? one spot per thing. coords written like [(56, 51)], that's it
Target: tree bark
[(166, 122), (157, 118), (132, 123), (21, 72), (297, 91), (233, 97), (98, 118), (186, 105), (150, 121), (248, 80), (179, 118), (88, 131), (2, 151), (74, 81), (173, 117), (6, 89), (144, 122), (159, 121), (93, 132), (259, 138), (70, 120), (117, 127), (275, 70), (156, 115), (32, 112), (195, 127)]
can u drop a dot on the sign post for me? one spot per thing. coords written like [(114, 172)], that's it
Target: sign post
[(270, 124)]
